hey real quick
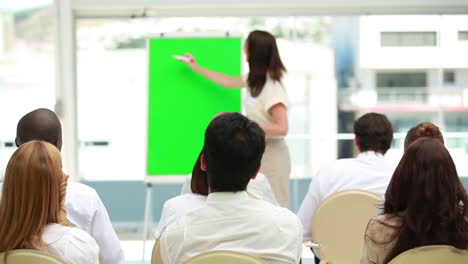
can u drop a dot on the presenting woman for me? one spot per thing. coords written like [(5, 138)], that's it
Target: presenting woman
[(265, 102)]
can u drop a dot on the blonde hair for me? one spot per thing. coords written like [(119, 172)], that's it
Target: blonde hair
[(33, 196)]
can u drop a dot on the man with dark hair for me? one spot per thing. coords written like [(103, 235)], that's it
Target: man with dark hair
[(230, 219), (368, 171), (85, 209)]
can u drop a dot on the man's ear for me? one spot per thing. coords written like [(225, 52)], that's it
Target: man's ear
[(356, 144), (59, 143), (255, 174), (16, 142), (202, 163)]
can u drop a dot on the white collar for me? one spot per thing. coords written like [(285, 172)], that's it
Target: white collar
[(370, 154), (221, 197)]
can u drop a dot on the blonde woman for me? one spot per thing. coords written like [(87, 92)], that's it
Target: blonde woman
[(32, 212)]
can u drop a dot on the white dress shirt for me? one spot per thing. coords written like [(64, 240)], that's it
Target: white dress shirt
[(368, 172), (233, 221), (85, 210), (259, 187), (178, 206), (71, 244)]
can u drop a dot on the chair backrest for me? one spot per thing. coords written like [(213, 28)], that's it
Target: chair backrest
[(156, 255), (224, 257), (339, 224), (28, 256), (432, 255)]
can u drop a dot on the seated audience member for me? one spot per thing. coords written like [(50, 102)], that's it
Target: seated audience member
[(368, 171), (424, 129), (230, 219), (32, 210), (195, 192), (425, 204), (180, 205), (85, 208), (258, 188)]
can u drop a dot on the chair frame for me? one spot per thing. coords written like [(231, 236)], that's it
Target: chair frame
[(403, 255), (40, 255), (254, 259), (156, 253), (317, 245)]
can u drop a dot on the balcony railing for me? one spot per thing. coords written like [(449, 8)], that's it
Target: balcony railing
[(447, 96)]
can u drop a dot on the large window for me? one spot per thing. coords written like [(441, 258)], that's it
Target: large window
[(337, 70), (112, 84)]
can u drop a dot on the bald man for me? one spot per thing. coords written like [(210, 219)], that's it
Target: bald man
[(40, 124), (84, 207)]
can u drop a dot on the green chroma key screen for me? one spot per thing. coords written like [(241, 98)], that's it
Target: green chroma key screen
[(182, 103)]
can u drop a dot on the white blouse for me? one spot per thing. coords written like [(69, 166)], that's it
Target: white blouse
[(71, 244), (256, 108), (86, 211)]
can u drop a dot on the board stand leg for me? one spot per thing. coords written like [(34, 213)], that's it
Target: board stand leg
[(149, 188)]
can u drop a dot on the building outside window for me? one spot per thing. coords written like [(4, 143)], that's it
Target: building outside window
[(408, 39)]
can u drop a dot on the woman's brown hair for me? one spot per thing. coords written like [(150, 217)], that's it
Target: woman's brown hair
[(426, 192), (424, 129), (264, 60), (33, 196)]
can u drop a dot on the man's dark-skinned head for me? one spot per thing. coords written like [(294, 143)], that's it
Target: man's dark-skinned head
[(41, 124), (233, 150)]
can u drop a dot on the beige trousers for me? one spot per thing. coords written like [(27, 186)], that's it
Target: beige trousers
[(276, 166)]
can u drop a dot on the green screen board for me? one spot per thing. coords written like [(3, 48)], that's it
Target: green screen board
[(182, 102)]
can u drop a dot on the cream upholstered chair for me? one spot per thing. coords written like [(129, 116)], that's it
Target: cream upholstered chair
[(432, 255), (28, 256), (339, 224), (156, 255), (224, 257)]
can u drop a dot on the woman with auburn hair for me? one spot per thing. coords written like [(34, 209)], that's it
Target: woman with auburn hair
[(424, 129), (32, 212), (265, 102), (425, 204)]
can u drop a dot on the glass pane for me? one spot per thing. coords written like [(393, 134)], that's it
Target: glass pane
[(462, 35), (449, 77), (408, 39), (401, 79), (27, 74)]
